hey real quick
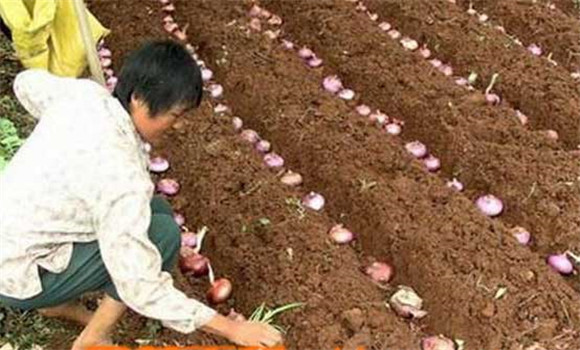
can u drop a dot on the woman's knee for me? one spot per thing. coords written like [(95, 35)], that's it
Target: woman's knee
[(160, 205), (166, 235)]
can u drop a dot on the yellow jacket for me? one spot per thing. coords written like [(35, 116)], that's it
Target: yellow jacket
[(46, 34)]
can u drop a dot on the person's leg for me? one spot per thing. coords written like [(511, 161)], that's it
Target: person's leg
[(160, 205), (99, 329), (165, 234), (72, 310), (60, 291), (85, 273)]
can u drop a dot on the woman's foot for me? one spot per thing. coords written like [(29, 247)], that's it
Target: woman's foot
[(84, 342), (72, 311)]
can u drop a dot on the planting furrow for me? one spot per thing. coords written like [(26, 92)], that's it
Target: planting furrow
[(548, 95), (264, 242), (438, 242), (484, 165), (535, 23), (271, 250)]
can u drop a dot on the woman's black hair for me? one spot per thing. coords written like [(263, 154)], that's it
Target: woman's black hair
[(163, 75)]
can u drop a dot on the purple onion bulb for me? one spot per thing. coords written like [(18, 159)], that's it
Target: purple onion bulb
[(489, 205)]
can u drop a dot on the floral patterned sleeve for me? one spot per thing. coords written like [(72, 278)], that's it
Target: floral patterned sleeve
[(36, 89), (134, 264)]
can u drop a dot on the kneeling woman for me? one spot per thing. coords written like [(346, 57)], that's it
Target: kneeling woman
[(77, 212)]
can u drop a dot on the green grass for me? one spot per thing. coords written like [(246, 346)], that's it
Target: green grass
[(266, 315)]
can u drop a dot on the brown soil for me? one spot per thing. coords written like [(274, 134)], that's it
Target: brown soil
[(487, 151), (547, 94), (533, 22), (569, 7), (439, 244)]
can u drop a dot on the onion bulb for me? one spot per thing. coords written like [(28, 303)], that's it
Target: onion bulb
[(273, 160), (104, 52), (314, 62), (105, 62), (373, 16), (206, 74), (291, 178), (521, 117), (263, 146), (432, 163), (409, 44), (275, 20), (255, 11), (535, 50), (237, 123), (313, 201), (220, 289), (346, 94), (287, 44), (393, 129), (272, 34), (394, 34), (461, 81), (417, 149), (195, 265), (385, 26), (489, 205), (250, 136), (360, 7), (380, 272), (112, 81), (332, 84), (551, 134), (378, 117), (437, 343), (446, 70), (522, 235), (407, 303), (455, 184), (492, 99), (255, 24), (189, 239), (169, 187), (179, 219), (561, 263), (425, 52), (341, 235), (168, 8), (216, 90), (220, 108), (158, 164), (265, 13), (436, 63), (190, 49), (363, 110), (305, 52)]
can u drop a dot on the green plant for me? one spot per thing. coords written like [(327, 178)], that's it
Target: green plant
[(266, 315), (9, 141)]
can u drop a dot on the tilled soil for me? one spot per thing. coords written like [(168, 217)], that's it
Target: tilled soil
[(439, 244), (476, 143), (533, 22), (547, 94)]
